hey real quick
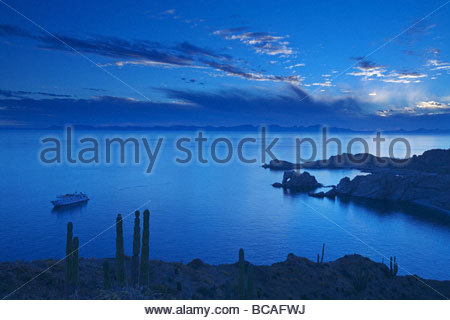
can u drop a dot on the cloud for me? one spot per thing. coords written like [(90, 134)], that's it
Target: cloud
[(192, 50), (261, 42), (438, 65), (295, 66), (396, 81), (410, 75), (237, 72), (20, 94), (223, 107), (323, 84), (147, 53), (368, 69), (432, 105), (422, 108), (233, 106), (95, 89), (404, 77), (13, 31)]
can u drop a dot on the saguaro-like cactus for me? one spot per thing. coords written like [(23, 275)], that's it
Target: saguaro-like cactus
[(106, 275), (74, 263), (68, 259), (136, 249), (320, 258), (393, 266), (241, 275), (143, 280), (323, 252), (120, 252)]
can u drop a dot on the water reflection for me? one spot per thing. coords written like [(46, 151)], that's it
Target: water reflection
[(71, 209)]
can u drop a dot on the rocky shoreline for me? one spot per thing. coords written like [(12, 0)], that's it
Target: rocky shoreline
[(350, 277), (421, 180)]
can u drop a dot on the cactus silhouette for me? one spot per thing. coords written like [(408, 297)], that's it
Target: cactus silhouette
[(393, 266), (106, 276), (136, 249), (241, 275), (143, 280), (320, 258), (120, 252), (68, 259), (74, 263), (323, 251)]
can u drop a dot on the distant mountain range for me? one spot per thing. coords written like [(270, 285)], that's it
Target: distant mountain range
[(245, 128)]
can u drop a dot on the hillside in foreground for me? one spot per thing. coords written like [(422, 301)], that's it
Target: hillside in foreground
[(350, 277)]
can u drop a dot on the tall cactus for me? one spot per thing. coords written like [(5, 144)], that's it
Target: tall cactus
[(144, 276), (120, 252), (393, 266), (323, 251), (241, 275), (320, 258), (136, 249), (74, 263), (68, 259)]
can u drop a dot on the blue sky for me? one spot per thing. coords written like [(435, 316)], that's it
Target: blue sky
[(372, 64)]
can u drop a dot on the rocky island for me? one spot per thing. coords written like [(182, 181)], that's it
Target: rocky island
[(298, 181), (422, 180)]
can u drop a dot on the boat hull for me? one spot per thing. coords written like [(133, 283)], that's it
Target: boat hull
[(57, 203)]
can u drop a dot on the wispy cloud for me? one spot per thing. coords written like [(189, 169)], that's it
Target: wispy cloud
[(428, 107), (155, 54), (261, 42), (368, 69), (323, 84), (21, 94), (438, 65)]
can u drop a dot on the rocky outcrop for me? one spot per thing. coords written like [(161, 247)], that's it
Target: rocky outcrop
[(431, 161), (432, 190), (331, 194), (435, 161), (360, 161), (281, 165), (298, 181)]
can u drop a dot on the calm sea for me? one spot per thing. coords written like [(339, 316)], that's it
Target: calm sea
[(209, 211)]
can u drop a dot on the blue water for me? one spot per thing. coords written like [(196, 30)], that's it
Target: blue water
[(208, 211)]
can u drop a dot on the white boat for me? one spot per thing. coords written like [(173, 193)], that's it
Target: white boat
[(69, 199)]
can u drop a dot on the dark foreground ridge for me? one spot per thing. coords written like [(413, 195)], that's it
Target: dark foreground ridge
[(350, 277)]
